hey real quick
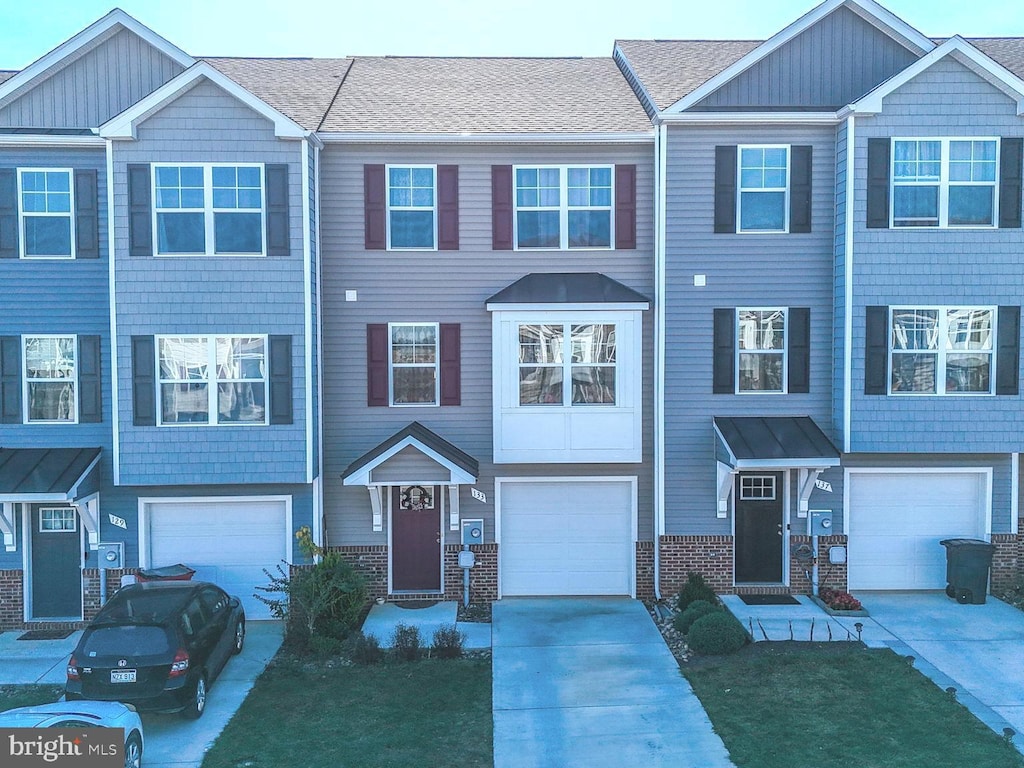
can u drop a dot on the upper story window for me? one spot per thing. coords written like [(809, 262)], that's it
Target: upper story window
[(560, 207), (207, 209), (939, 350), (45, 209), (945, 182), (763, 198), (761, 350), (212, 380), (51, 379), (414, 363), (412, 207), (567, 364)]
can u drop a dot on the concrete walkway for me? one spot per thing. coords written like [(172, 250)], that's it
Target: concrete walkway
[(589, 682), (382, 620)]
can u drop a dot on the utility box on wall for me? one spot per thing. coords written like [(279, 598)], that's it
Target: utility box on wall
[(110, 554), (472, 531), (821, 522)]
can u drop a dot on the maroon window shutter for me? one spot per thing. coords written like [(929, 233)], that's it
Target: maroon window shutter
[(451, 364), (501, 207), (375, 208), (625, 206), (377, 364), (448, 207)]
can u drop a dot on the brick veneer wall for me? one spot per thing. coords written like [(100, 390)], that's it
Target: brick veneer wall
[(483, 577), (1007, 562), (829, 575), (710, 556), (372, 563), (91, 587), (12, 600), (645, 570)]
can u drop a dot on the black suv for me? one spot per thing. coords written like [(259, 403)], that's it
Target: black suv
[(158, 646)]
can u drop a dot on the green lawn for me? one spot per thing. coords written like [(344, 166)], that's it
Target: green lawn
[(12, 696), (424, 713), (839, 705)]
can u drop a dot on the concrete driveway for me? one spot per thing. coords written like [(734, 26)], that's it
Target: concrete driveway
[(589, 682)]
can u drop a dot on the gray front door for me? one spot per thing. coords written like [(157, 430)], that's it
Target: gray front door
[(56, 563), (759, 527)]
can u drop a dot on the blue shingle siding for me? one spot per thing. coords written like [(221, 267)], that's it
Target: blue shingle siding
[(210, 295), (935, 266)]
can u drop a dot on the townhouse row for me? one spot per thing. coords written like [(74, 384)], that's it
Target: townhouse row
[(611, 320)]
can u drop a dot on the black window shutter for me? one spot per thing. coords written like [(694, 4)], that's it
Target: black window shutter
[(451, 364), (799, 351), (878, 183), (278, 229), (90, 389), (625, 207), (725, 190), (876, 350), (724, 376), (87, 214), (375, 211), (140, 211), (10, 379), (1008, 352), (800, 172), (143, 381), (501, 207), (377, 365), (281, 396), (448, 207), (1010, 156), (8, 213)]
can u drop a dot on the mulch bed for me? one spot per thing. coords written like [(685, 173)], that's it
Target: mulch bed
[(475, 613)]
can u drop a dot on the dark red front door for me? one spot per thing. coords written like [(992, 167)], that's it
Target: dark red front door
[(415, 539)]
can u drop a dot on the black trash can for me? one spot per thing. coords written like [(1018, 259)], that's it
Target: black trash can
[(177, 572), (967, 565)]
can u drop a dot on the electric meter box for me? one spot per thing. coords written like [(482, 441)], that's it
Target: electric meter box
[(110, 554), (821, 522), (472, 531)]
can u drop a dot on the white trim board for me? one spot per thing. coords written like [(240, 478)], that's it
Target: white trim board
[(391, 549)]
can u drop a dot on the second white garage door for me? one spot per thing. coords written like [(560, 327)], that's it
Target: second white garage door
[(226, 542), (567, 537), (896, 521)]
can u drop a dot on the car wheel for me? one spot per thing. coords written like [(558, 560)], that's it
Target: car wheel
[(133, 752), (239, 637), (197, 704)]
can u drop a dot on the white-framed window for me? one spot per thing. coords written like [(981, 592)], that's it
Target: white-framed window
[(942, 350), (46, 213), (761, 350), (51, 379), (215, 380), (948, 182), (206, 209), (413, 373), (57, 519), (567, 364), (412, 207), (763, 199), (563, 207), (757, 488)]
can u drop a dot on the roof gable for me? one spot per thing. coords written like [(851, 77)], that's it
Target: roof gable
[(561, 290), (462, 467)]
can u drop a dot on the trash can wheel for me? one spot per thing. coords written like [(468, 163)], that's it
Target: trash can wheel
[(964, 596), (950, 590)]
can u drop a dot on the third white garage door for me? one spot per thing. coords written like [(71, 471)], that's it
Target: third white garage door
[(567, 537), (897, 519), (226, 542)]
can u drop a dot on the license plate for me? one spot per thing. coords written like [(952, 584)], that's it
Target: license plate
[(122, 675)]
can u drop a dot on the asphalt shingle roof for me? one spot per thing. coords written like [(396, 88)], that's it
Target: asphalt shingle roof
[(6, 75)]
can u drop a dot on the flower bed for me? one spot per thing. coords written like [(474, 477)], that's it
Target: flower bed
[(835, 602)]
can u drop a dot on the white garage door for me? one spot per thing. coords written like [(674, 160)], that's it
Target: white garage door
[(226, 542), (896, 521), (566, 538)]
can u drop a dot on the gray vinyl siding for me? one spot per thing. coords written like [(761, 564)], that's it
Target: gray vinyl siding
[(451, 287), (935, 267), (409, 464), (96, 86), (210, 295), (779, 270), (829, 65)]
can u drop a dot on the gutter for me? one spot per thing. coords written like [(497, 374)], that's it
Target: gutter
[(660, 193)]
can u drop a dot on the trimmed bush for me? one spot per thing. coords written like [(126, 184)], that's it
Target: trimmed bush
[(366, 649), (406, 642), (325, 646), (717, 634), (448, 642), (695, 589), (683, 621)]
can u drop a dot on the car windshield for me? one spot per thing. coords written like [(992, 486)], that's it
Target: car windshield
[(127, 640), (141, 607)]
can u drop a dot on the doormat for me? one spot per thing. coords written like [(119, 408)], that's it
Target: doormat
[(414, 604), (46, 634), (769, 600)]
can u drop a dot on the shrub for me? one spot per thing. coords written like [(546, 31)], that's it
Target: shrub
[(694, 589), (717, 634), (406, 642), (325, 646), (683, 621), (448, 642), (366, 649), (838, 600)]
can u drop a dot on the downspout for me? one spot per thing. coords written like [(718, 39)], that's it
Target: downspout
[(848, 298), (660, 167), (115, 419)]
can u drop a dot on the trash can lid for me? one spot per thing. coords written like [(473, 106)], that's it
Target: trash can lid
[(166, 572), (978, 543)]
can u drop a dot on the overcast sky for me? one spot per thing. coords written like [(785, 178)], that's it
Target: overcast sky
[(455, 27)]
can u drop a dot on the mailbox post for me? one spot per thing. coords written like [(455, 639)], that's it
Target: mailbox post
[(472, 533)]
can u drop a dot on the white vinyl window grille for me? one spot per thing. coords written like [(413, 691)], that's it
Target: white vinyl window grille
[(212, 380), (567, 364), (45, 206), (562, 207), (57, 519), (763, 198), (412, 207), (208, 209), (51, 379), (757, 488), (414, 363), (761, 350), (945, 182), (942, 351)]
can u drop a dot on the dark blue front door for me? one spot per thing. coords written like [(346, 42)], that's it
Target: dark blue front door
[(56, 563)]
